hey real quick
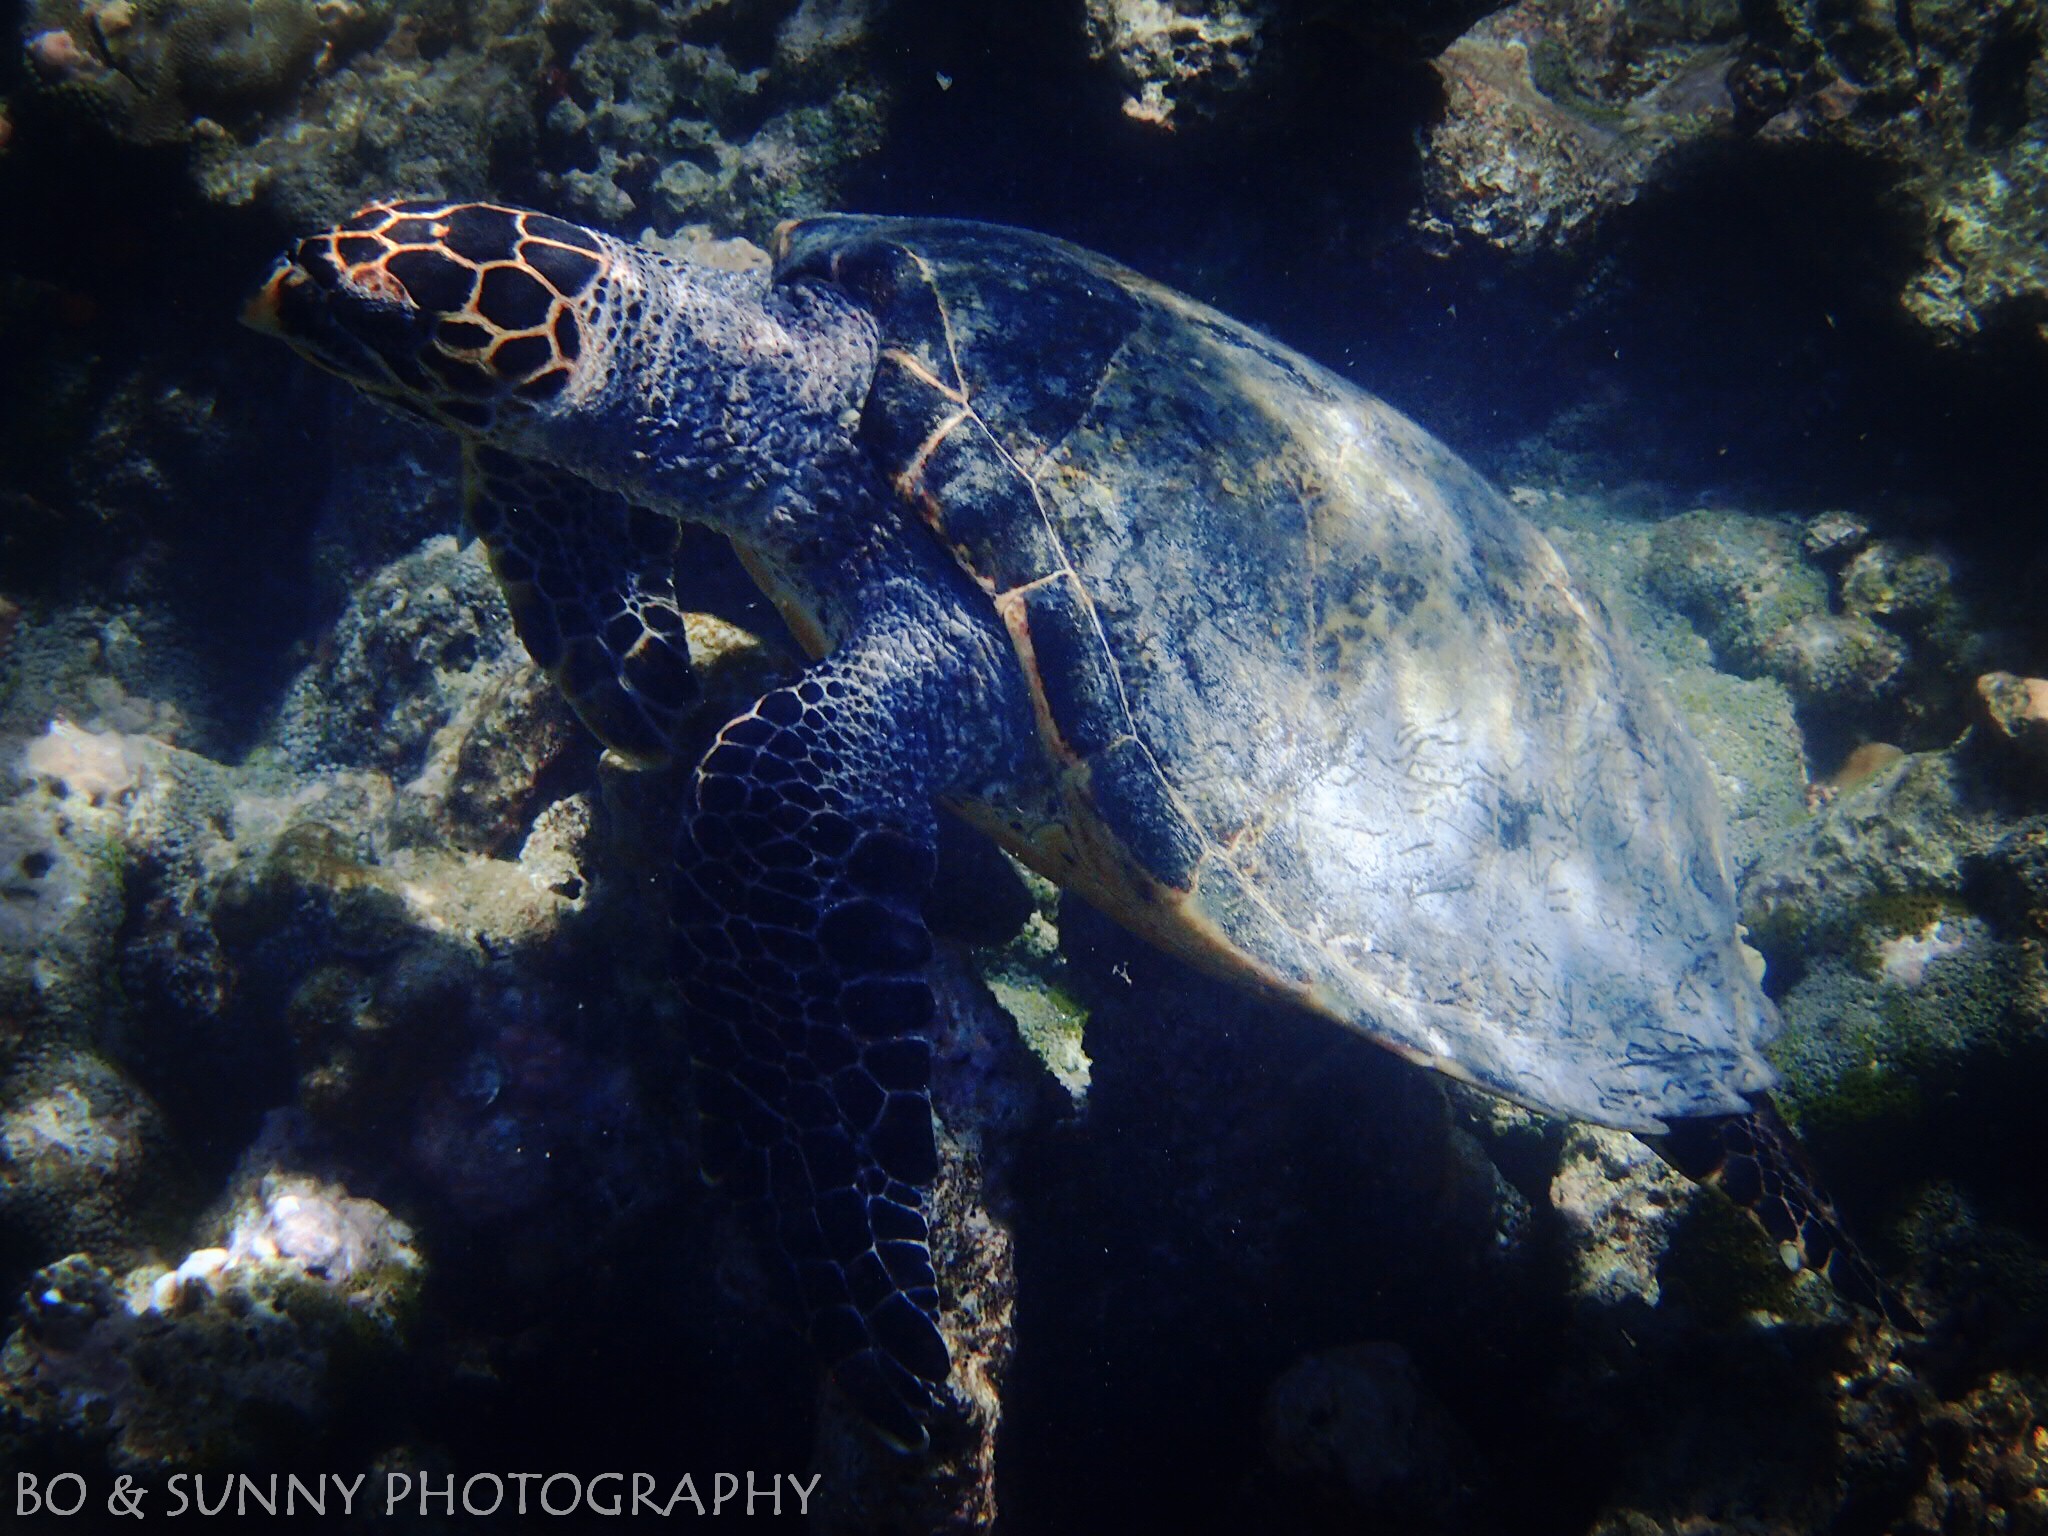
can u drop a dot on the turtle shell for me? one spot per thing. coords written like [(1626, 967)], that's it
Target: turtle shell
[(1320, 711)]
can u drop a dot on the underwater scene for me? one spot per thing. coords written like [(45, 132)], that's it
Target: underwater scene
[(1265, 766)]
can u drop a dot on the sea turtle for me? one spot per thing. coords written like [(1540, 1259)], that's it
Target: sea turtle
[(1181, 619)]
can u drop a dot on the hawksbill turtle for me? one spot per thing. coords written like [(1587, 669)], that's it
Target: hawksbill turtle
[(1183, 620)]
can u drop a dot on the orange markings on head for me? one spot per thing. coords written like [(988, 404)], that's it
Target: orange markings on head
[(373, 278), (496, 292)]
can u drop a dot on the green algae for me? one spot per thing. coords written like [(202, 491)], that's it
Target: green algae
[(1029, 979), (1865, 1058), (1893, 915), (1714, 1258), (1872, 1097), (1550, 71), (1049, 1018)]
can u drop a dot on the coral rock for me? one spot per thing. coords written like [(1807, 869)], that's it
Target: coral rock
[(1173, 55), (1896, 581), (1620, 1202), (1557, 114), (1832, 537), (1362, 1417), (1740, 578), (231, 1354), (1835, 660), (2018, 711)]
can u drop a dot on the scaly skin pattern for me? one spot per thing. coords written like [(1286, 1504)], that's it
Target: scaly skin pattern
[(1756, 1161), (1189, 623), (799, 895), (590, 580)]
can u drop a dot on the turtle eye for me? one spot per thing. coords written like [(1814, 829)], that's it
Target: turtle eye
[(315, 257), (463, 335), (431, 279)]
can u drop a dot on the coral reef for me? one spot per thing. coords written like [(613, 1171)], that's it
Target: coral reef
[(235, 1353), (155, 71), (629, 113), (324, 926), (1558, 113), (2016, 710), (1903, 932), (1741, 577), (86, 925), (1175, 56), (1910, 830), (86, 1160), (1840, 659), (422, 644), (63, 905), (737, 115), (311, 108), (1881, 646), (1951, 99)]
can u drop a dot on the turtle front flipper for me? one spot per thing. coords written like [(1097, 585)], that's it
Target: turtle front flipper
[(801, 947), (590, 579), (1757, 1162)]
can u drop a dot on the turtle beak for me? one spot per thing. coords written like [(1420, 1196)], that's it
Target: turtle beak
[(299, 304), (370, 338), (260, 313), (266, 308)]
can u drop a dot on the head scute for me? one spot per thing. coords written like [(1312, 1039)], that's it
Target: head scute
[(453, 310)]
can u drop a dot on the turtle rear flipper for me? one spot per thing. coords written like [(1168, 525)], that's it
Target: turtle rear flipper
[(590, 579), (1758, 1163)]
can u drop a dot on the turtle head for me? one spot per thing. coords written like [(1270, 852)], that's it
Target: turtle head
[(677, 383), (469, 315)]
